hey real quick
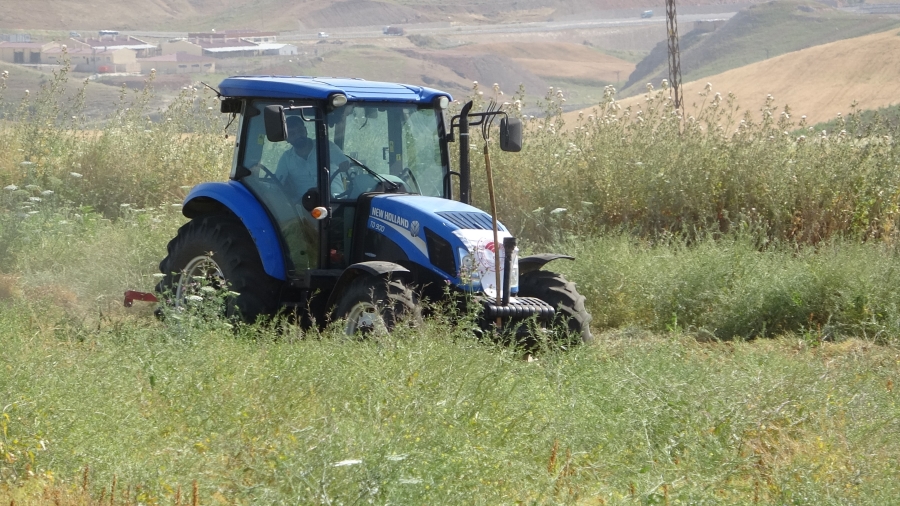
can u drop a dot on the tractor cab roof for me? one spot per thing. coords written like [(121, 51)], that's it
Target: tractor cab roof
[(320, 88)]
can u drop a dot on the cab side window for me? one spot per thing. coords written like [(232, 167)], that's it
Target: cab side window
[(262, 158)]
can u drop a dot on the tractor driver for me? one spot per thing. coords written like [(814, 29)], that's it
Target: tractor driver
[(297, 165)]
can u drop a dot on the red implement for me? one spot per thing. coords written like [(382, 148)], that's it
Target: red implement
[(131, 296)]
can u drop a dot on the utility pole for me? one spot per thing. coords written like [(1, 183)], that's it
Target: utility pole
[(674, 54)]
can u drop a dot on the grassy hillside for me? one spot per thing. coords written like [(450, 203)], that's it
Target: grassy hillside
[(99, 99), (760, 32), (817, 83)]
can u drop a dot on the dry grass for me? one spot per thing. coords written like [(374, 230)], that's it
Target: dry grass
[(558, 59), (818, 82), (9, 286)]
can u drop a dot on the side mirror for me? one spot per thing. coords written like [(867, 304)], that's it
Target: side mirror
[(511, 134), (230, 105), (273, 118)]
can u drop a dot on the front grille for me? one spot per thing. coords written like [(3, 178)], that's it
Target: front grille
[(468, 220), (440, 252)]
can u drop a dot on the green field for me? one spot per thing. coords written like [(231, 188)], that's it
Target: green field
[(743, 282)]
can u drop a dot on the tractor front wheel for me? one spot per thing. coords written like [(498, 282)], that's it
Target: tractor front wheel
[(554, 289), (214, 256), (374, 305)]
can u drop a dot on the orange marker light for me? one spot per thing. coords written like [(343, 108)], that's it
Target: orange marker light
[(319, 213)]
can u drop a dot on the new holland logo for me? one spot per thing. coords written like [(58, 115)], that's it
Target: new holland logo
[(414, 228)]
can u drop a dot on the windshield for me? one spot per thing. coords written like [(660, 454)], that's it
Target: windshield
[(399, 141)]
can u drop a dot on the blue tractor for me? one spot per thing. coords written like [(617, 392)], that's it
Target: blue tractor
[(339, 207)]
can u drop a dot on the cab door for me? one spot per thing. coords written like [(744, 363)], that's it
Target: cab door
[(277, 176)]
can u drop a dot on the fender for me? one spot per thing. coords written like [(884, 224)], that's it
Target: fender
[(210, 197), (535, 262), (375, 268)]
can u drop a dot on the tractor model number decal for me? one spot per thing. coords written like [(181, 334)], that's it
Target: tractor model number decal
[(383, 221), (390, 217)]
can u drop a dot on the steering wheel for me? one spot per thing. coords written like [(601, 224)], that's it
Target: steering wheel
[(343, 168), (269, 175)]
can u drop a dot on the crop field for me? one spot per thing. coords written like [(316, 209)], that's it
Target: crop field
[(741, 270)]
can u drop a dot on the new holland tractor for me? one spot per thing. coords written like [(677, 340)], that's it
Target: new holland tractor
[(339, 207)]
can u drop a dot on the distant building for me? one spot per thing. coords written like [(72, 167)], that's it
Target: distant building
[(225, 48), (178, 63), (21, 52), (114, 41), (95, 60), (234, 35), (181, 46), (15, 37)]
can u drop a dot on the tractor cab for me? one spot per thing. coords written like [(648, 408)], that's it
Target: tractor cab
[(322, 150)]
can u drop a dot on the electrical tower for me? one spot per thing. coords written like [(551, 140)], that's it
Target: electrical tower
[(674, 53)]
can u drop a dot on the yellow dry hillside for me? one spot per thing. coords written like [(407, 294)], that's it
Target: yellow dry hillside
[(558, 59), (818, 82)]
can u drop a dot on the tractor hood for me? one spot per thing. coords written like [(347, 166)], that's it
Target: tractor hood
[(453, 239)]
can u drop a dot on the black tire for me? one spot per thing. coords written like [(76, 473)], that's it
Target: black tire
[(375, 305), (553, 289), (217, 251)]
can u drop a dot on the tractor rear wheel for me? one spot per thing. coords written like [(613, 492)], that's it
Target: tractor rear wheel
[(555, 290), (374, 305), (214, 256)]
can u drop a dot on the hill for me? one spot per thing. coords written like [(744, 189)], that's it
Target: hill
[(303, 14), (818, 82), (759, 32)]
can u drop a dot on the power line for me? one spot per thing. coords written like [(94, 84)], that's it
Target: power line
[(674, 53)]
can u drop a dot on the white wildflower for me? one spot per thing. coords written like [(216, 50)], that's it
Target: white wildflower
[(35, 199), (75, 175), (11, 187), (194, 298), (558, 211), (349, 462)]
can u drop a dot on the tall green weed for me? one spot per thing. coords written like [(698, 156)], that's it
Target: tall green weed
[(130, 160), (646, 171)]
